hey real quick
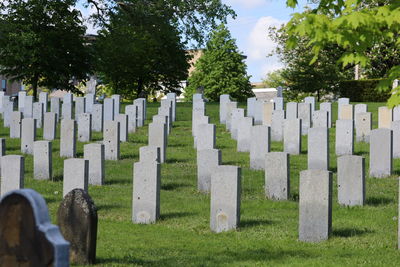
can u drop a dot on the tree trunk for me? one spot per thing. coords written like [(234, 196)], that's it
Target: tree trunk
[(140, 87), (35, 86)]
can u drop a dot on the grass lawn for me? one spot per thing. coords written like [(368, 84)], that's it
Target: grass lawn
[(268, 230)]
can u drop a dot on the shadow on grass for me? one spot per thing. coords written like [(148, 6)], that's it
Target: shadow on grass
[(248, 223), (349, 232), (333, 169), (378, 201), (172, 186), (128, 156), (107, 206), (294, 197), (117, 181), (360, 153), (173, 160), (172, 215), (57, 178)]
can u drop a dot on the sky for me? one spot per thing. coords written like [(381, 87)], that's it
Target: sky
[(250, 29)]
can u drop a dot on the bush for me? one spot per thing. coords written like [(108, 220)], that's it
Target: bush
[(362, 91)]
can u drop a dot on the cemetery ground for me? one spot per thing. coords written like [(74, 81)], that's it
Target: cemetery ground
[(268, 230)]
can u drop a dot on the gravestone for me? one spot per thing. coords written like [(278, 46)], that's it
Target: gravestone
[(363, 126), (50, 126), (146, 192), (97, 118), (277, 175), (141, 111), (77, 219), (167, 112), (89, 102), (304, 113), (68, 138), (205, 139), (258, 112), (268, 108), (279, 103), (149, 153), (7, 112), (12, 176), (251, 102), (381, 153), (75, 175), (225, 198), (200, 119), (131, 111), (80, 106), (111, 141), (172, 97), (315, 205), (28, 135), (327, 106), (344, 144), (123, 127), (396, 113), (260, 144), (223, 108), (351, 180), (278, 118), (292, 136), (94, 153), (385, 117), (311, 100), (396, 138), (15, 127), (237, 114), (359, 108), (55, 106), (84, 127), (320, 118), (346, 112), (28, 237), (342, 101), (158, 138), (42, 160), (28, 106), (291, 110), (117, 100), (21, 100), (318, 148), (207, 161), (109, 109), (67, 110), (244, 134), (44, 99)]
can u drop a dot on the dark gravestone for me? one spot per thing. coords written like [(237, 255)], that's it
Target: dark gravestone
[(27, 238), (77, 219)]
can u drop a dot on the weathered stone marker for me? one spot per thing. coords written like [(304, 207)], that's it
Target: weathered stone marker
[(38, 114), (327, 106), (268, 107), (15, 127), (146, 191), (68, 138), (251, 103), (77, 219), (27, 236), (117, 100), (75, 175), (304, 113), (359, 108), (111, 140), (318, 148), (97, 118), (55, 106), (42, 160), (223, 109), (149, 153), (44, 99), (315, 205), (363, 126), (396, 138), (311, 100), (277, 175), (123, 127), (50, 126), (207, 161), (278, 118), (244, 134), (12, 176), (108, 109), (205, 138), (381, 153), (344, 137), (89, 102), (385, 117), (225, 198), (172, 97), (28, 135), (320, 118), (237, 115), (94, 153), (28, 106), (342, 101), (80, 106), (131, 111), (291, 110), (21, 100), (346, 112), (260, 143), (84, 127), (279, 103), (351, 180), (292, 136), (158, 138)]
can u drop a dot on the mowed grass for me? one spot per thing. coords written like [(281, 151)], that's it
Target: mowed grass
[(268, 231)]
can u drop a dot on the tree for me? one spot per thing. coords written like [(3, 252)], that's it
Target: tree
[(220, 70), (41, 43), (322, 77), (139, 51), (274, 79), (354, 25)]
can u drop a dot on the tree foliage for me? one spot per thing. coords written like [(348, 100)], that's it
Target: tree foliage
[(41, 43), (220, 70), (354, 25), (139, 51), (300, 76)]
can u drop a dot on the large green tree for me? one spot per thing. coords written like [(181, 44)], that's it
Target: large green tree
[(42, 44), (221, 69), (357, 26), (139, 51)]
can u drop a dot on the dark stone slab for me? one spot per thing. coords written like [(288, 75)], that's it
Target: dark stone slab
[(77, 219), (27, 238)]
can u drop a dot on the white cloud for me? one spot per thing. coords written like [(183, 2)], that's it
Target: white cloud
[(249, 4)]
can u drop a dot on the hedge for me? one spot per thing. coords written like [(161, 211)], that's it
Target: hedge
[(362, 91)]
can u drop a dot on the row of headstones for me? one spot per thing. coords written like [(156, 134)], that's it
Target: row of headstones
[(351, 175), (147, 172)]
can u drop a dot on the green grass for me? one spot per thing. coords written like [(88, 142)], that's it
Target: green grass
[(268, 232)]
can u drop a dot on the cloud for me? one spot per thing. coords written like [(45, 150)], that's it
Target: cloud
[(248, 4)]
